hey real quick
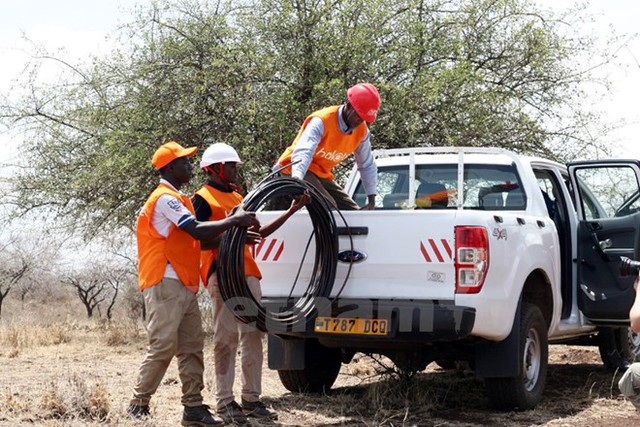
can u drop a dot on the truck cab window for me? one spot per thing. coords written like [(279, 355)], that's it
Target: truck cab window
[(608, 192), (486, 187)]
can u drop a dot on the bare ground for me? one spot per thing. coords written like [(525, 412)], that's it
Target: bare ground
[(63, 373)]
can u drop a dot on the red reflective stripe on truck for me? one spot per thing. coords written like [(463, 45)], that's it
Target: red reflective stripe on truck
[(266, 255), (435, 249), (447, 248), (424, 252), (259, 247), (280, 249)]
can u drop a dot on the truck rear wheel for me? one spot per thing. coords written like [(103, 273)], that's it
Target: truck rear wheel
[(322, 365), (525, 390), (618, 347)]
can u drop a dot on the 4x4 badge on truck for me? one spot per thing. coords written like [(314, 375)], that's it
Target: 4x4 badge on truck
[(500, 233)]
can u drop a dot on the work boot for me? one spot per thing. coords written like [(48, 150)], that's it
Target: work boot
[(138, 411), (199, 416), (258, 410), (232, 413)]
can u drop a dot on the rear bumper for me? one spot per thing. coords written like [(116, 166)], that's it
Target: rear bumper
[(409, 321)]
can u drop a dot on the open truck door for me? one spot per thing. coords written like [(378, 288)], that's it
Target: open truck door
[(608, 206)]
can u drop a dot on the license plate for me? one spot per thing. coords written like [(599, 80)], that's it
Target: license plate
[(347, 325)]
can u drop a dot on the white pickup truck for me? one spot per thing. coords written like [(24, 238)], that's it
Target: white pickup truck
[(473, 254)]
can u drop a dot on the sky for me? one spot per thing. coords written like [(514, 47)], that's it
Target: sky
[(81, 26), (621, 104), (78, 27)]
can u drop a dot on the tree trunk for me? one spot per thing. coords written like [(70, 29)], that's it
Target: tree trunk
[(113, 302)]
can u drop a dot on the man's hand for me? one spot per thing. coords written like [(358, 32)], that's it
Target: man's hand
[(299, 201), (371, 203), (253, 237), (244, 218)]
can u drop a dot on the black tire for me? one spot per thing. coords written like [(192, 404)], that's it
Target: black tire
[(525, 390), (619, 347), (322, 365)]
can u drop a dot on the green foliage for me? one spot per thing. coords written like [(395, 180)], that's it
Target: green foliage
[(450, 73)]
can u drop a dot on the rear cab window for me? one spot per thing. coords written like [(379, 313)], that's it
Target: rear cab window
[(486, 187)]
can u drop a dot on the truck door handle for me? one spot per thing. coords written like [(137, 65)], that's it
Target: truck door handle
[(594, 226), (353, 231), (598, 248)]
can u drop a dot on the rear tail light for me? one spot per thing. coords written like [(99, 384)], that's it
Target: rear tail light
[(472, 259)]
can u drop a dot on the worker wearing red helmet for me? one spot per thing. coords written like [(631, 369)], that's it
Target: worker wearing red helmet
[(330, 135)]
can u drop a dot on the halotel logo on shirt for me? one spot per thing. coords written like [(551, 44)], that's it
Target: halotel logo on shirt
[(335, 156)]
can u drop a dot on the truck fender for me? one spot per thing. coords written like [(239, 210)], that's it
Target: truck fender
[(500, 359)]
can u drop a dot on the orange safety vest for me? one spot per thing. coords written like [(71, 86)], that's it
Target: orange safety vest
[(154, 250), (334, 146), (221, 203)]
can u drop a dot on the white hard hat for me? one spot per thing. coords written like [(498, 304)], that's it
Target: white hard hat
[(219, 153)]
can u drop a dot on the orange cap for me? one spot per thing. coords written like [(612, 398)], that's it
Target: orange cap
[(365, 99), (170, 151)]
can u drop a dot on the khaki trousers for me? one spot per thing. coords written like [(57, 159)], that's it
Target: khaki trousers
[(175, 329), (228, 332), (332, 191), (629, 384)]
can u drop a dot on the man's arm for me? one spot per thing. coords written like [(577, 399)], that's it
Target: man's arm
[(210, 230), (306, 147), (170, 210), (297, 203), (368, 170), (203, 213), (634, 313)]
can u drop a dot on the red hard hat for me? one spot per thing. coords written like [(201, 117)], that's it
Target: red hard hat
[(365, 99)]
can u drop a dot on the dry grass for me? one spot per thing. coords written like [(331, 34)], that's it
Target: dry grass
[(73, 398), (59, 369), (17, 336), (115, 334)]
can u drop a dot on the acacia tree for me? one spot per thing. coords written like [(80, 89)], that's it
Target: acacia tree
[(24, 287), (118, 280), (12, 270), (450, 72), (100, 271), (21, 263), (91, 290)]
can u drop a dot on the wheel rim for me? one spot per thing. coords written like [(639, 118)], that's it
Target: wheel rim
[(532, 360)]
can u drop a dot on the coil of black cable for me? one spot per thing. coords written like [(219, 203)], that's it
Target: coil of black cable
[(230, 262)]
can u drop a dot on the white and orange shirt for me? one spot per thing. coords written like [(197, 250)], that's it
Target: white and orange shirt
[(164, 250)]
